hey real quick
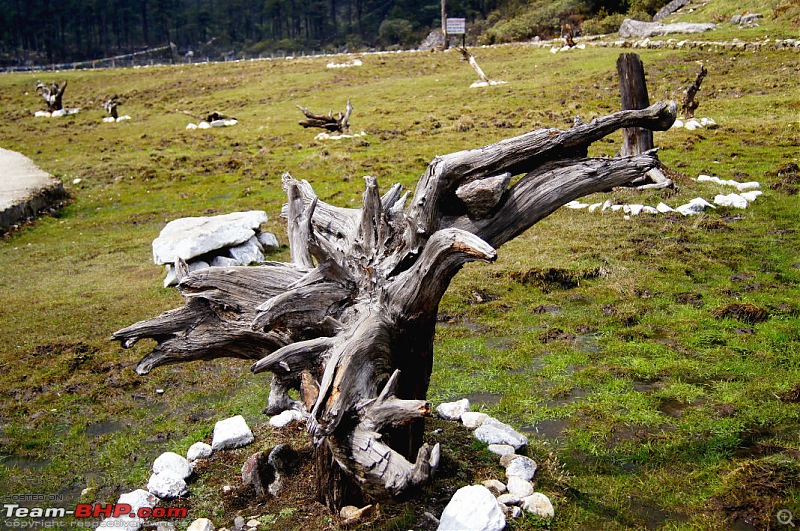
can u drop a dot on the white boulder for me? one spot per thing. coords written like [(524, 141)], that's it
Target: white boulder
[(201, 524), (189, 237), (453, 410), (730, 200), (473, 419), (492, 431), (501, 449), (198, 450), (522, 467), (519, 487), (232, 432), (538, 504), (172, 462), (285, 418), (697, 205), (472, 508), (167, 485)]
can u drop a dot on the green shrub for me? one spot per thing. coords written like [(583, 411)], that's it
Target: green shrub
[(602, 26), (396, 31)]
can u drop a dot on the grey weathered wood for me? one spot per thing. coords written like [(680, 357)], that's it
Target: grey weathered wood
[(351, 320), (689, 103), (53, 94), (335, 123)]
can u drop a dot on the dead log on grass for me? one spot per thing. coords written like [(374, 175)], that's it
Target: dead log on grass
[(111, 105), (350, 321), (340, 123), (469, 58)]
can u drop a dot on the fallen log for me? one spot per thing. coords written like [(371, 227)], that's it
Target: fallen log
[(340, 123)]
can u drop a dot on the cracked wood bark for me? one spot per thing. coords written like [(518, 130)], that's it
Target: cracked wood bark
[(350, 322)]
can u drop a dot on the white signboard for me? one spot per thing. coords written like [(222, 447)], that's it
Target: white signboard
[(456, 26)]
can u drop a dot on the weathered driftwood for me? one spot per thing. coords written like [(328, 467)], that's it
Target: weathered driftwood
[(53, 94), (689, 103), (339, 123), (637, 140), (350, 322)]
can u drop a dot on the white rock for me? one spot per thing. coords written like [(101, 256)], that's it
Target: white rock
[(514, 512), (606, 204), (123, 118), (492, 431), (496, 485), (664, 208), (501, 449), (751, 196), (189, 237), (522, 467), (616, 208), (695, 206), (172, 462), (268, 240), (453, 410), (752, 185), (42, 114), (198, 450), (204, 125), (509, 499), (224, 261), (636, 209), (171, 278), (649, 210), (708, 122), (109, 119), (136, 500), (473, 419), (60, 112), (232, 432), (538, 504), (167, 485), (285, 418), (576, 205), (201, 524), (248, 252), (730, 200), (472, 508), (77, 180), (691, 125), (191, 127), (595, 206), (677, 124), (519, 487)]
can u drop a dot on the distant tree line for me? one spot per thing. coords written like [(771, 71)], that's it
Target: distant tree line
[(50, 31)]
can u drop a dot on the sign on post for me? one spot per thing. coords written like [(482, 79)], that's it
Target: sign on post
[(456, 26)]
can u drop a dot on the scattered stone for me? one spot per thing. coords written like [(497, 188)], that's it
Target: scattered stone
[(167, 485), (664, 208), (539, 504), (472, 508), (492, 431), (201, 524), (187, 238), (519, 487), (232, 432), (638, 29), (453, 410), (172, 462), (522, 467), (268, 240), (509, 499), (697, 205), (751, 196), (493, 484), (730, 200), (501, 449), (473, 419), (198, 450), (258, 472), (285, 418), (253, 523), (506, 459), (238, 523)]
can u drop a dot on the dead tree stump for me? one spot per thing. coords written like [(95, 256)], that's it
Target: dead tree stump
[(350, 321), (53, 95), (689, 103), (340, 123), (637, 140), (111, 105)]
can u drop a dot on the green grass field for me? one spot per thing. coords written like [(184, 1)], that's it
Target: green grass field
[(649, 400)]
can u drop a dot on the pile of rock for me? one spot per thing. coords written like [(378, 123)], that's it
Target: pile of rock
[(111, 119), (170, 472), (228, 240), (56, 114), (486, 507), (337, 136), (346, 64), (748, 20), (638, 29), (693, 123)]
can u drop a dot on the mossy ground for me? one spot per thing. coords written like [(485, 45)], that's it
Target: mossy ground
[(622, 346)]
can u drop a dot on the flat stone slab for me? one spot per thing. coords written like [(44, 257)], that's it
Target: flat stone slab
[(24, 188)]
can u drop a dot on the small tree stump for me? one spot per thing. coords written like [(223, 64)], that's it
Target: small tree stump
[(689, 103), (111, 106), (53, 94)]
